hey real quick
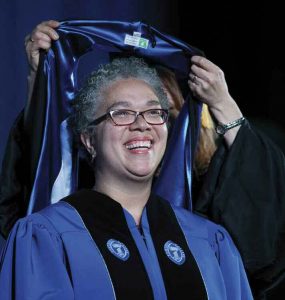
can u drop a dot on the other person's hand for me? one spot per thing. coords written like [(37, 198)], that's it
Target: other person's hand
[(40, 38), (207, 82)]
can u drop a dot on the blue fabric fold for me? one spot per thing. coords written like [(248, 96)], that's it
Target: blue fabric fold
[(60, 67)]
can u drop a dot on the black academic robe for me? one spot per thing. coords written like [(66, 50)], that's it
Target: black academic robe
[(244, 191)]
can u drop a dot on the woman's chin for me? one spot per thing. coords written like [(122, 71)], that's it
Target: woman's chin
[(141, 173)]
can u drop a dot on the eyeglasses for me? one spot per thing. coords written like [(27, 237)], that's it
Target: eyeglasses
[(123, 117)]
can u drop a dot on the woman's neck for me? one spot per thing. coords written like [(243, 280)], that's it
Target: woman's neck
[(133, 196)]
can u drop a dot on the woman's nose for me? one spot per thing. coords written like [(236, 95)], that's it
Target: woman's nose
[(140, 124)]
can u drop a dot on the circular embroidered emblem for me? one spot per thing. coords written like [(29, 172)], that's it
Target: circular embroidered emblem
[(118, 249), (174, 252)]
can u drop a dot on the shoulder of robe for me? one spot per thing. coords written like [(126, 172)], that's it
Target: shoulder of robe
[(63, 217), (34, 227), (57, 219), (34, 222)]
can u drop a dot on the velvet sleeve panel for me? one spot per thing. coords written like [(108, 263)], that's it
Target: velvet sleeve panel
[(33, 264), (12, 180), (245, 192)]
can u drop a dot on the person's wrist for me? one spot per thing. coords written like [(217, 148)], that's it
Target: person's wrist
[(31, 81), (222, 129), (225, 103), (32, 69), (32, 73), (226, 111)]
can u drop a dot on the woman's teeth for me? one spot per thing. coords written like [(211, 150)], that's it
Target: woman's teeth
[(138, 144)]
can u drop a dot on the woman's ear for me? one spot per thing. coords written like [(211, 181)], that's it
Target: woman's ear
[(86, 141)]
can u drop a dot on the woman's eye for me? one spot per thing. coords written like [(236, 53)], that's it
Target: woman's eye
[(121, 113), (154, 113)]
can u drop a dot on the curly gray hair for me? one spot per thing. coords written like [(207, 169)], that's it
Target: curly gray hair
[(91, 95)]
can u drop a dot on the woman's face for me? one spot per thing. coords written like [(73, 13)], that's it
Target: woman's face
[(114, 144)]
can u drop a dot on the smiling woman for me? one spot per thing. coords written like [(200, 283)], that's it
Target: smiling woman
[(124, 127), (142, 247), (123, 150)]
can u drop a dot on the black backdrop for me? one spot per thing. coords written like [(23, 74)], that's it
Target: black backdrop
[(242, 37), (245, 39)]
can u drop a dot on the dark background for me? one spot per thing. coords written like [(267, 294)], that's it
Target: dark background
[(242, 37), (245, 39)]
